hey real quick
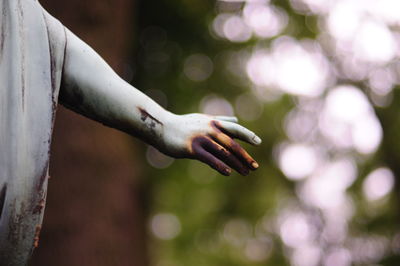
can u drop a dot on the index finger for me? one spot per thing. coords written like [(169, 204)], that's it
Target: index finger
[(227, 118), (238, 131)]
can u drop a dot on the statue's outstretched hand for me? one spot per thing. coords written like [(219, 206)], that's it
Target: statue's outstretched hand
[(210, 140), (107, 98)]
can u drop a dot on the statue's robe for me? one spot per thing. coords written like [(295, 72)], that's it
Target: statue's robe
[(32, 48)]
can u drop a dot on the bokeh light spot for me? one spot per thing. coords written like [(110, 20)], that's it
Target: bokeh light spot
[(214, 105), (297, 161), (198, 67), (378, 184), (158, 159), (165, 226), (295, 230), (236, 30), (248, 107), (266, 21)]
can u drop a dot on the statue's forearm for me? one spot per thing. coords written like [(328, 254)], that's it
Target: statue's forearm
[(93, 89)]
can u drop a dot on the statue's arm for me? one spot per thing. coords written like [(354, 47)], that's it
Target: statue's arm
[(93, 89)]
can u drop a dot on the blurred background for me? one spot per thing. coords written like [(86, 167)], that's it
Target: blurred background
[(316, 79)]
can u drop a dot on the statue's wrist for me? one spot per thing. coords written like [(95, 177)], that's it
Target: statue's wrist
[(170, 135)]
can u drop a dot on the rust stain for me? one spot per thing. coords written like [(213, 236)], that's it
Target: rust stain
[(43, 177), (36, 238), (232, 154), (16, 230), (227, 141), (39, 207), (198, 151), (144, 115), (224, 156)]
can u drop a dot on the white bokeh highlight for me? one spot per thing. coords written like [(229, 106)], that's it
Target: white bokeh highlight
[(298, 68), (297, 161), (378, 184), (165, 226)]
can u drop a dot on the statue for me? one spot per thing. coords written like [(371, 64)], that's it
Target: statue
[(41, 63)]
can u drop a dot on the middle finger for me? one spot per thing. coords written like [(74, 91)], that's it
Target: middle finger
[(236, 149)]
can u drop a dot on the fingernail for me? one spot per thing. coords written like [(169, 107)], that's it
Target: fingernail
[(257, 140), (228, 171), (255, 165)]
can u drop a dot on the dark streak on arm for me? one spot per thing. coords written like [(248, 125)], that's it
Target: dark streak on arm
[(144, 115), (152, 124)]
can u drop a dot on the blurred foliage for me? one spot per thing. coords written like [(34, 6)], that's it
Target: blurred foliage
[(198, 217)]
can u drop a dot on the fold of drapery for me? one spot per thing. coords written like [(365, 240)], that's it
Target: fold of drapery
[(32, 47)]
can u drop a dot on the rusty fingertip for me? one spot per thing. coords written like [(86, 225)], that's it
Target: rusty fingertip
[(254, 165), (227, 171)]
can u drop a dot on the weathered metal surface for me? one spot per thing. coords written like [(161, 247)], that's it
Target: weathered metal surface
[(31, 58)]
